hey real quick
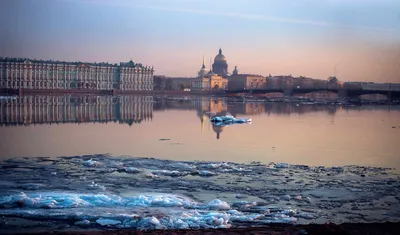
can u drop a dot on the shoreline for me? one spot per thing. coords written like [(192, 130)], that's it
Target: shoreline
[(239, 96), (22, 92), (388, 228), (180, 198)]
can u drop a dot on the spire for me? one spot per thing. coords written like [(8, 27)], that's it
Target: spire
[(220, 50), (203, 66), (210, 64)]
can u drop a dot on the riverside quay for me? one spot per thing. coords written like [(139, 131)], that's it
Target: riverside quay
[(18, 73)]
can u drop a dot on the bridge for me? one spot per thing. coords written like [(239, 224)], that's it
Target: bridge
[(351, 93)]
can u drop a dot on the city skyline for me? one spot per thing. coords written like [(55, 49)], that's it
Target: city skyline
[(310, 38)]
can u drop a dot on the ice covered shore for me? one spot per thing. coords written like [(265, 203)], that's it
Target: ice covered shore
[(147, 193)]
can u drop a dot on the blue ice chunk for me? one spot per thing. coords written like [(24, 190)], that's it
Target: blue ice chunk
[(91, 163), (169, 173), (206, 173), (150, 223), (82, 223), (281, 165), (217, 204), (132, 170), (107, 222)]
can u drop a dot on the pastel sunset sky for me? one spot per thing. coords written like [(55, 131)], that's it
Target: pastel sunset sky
[(360, 38)]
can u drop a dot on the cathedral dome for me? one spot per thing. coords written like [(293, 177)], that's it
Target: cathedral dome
[(220, 58)]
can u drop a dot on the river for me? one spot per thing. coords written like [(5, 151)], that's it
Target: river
[(178, 128)]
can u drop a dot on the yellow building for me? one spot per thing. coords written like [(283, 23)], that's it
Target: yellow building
[(208, 81), (246, 81)]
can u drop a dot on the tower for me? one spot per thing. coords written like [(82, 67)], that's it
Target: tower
[(203, 70), (235, 71)]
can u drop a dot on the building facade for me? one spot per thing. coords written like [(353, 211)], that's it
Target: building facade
[(290, 82), (208, 81), (16, 73), (246, 81), (371, 86), (160, 82), (178, 83)]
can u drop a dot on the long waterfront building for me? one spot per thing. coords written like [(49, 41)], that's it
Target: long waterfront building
[(16, 73)]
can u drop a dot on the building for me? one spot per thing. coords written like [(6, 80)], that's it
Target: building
[(246, 81), (220, 65), (208, 81), (178, 83), (290, 82), (371, 86), (279, 82), (16, 73), (160, 82)]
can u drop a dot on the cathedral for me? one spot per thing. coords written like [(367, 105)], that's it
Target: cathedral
[(220, 66), (210, 80), (217, 77)]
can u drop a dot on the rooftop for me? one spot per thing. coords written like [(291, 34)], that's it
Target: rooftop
[(247, 74), (52, 62)]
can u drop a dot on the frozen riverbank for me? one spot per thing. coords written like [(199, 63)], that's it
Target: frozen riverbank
[(101, 191), (387, 228)]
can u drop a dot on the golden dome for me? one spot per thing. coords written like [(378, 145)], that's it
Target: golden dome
[(220, 57)]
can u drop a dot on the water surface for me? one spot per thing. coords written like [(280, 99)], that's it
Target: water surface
[(178, 128)]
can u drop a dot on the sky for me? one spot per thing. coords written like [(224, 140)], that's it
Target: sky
[(356, 40)]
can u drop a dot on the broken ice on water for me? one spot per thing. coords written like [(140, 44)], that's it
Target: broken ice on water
[(102, 191), (228, 120)]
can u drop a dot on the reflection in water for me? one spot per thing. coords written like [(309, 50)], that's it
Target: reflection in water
[(296, 133), (135, 109), (207, 107), (68, 109), (224, 105)]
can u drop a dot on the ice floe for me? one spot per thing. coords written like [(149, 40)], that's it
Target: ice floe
[(111, 210), (73, 200), (146, 193), (228, 119)]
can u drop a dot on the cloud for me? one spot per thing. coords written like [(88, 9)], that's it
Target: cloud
[(269, 18), (245, 16), (242, 16)]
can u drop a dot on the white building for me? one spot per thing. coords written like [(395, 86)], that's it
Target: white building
[(18, 73)]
